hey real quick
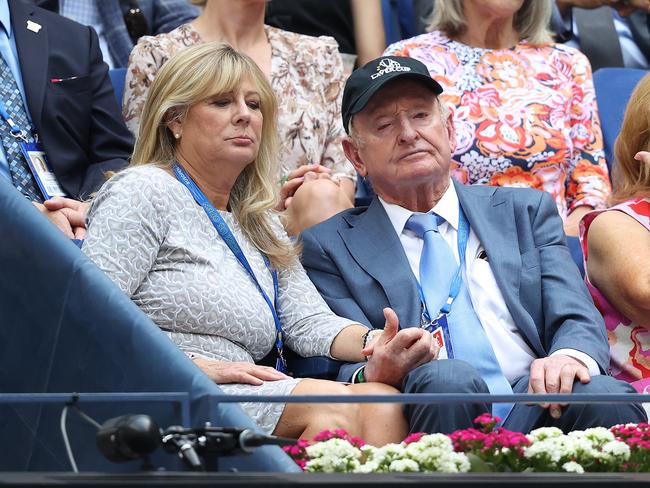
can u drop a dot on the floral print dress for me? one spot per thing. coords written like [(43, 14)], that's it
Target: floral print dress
[(307, 79), (629, 344), (524, 117)]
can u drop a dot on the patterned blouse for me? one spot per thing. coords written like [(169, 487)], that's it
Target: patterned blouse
[(524, 117), (629, 344), (306, 76)]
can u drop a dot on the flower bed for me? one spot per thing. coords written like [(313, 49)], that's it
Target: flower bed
[(623, 448)]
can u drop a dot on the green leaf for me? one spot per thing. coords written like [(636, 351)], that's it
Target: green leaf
[(478, 465)]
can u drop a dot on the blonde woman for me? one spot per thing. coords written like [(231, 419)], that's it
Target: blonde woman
[(524, 107), (616, 247), (188, 232), (306, 73)]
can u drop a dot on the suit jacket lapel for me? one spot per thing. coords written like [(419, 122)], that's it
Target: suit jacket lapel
[(491, 216), (373, 243), (33, 53)]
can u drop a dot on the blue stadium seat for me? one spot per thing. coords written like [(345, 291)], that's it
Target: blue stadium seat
[(66, 327), (117, 77), (613, 89), (399, 20)]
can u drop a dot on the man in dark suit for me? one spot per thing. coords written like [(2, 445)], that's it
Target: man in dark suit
[(484, 269), (68, 98), (611, 33), (119, 23)]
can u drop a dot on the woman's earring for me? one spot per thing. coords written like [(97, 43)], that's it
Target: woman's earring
[(177, 135)]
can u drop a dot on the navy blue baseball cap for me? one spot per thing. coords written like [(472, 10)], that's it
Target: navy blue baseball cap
[(364, 82)]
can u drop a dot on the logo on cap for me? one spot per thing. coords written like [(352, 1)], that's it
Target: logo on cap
[(387, 65)]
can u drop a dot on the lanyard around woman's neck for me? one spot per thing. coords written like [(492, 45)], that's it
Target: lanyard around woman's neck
[(226, 234)]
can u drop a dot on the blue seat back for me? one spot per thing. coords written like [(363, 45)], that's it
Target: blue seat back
[(66, 327), (613, 89), (117, 76)]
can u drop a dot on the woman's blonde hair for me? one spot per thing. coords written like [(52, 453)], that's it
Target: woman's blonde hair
[(531, 20), (190, 77), (632, 177)]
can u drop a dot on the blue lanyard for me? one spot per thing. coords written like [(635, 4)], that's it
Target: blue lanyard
[(454, 289), (224, 231), (16, 131)]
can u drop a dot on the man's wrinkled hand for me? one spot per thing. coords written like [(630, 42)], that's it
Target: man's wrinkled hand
[(67, 214), (556, 374), (397, 352), (297, 177)]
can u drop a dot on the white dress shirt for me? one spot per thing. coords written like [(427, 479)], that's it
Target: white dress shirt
[(510, 348)]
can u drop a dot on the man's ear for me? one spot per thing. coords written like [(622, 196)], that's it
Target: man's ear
[(451, 132), (352, 153)]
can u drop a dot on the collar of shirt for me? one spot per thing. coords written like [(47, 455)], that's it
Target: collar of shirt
[(5, 18), (447, 208)]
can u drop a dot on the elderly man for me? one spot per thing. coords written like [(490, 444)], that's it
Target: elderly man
[(484, 270)]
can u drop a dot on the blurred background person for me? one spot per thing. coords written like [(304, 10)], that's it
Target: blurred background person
[(616, 247), (120, 23), (189, 233), (524, 107), (57, 93), (356, 25), (611, 33), (306, 74)]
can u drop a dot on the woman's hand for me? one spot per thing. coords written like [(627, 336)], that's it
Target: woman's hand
[(297, 177), (222, 372)]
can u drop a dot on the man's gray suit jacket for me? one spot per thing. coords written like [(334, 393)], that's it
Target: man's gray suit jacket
[(358, 264)]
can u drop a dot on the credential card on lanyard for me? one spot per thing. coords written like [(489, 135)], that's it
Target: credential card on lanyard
[(439, 329), (43, 174)]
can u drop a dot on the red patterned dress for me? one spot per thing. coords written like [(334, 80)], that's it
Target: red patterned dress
[(629, 343), (524, 117)]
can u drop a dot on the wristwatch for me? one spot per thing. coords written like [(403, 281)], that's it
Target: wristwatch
[(370, 336)]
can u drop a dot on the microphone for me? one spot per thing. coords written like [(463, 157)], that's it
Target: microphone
[(181, 441), (131, 437), (128, 437)]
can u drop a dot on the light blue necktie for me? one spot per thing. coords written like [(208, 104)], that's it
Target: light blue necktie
[(21, 175), (470, 342)]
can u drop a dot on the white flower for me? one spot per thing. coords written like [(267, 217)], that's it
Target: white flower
[(332, 464), (617, 449), (454, 462), (544, 433), (403, 466), (368, 467), (573, 467), (333, 447), (596, 435)]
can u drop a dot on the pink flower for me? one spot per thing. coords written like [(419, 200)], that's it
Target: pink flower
[(414, 437), (487, 421)]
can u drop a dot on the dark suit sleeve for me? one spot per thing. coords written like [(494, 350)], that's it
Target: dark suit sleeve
[(324, 273), (110, 143), (571, 319)]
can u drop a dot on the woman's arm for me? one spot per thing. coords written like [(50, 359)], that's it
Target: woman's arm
[(369, 35), (126, 227), (347, 345), (619, 264)]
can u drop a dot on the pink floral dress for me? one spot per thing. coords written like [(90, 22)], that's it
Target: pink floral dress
[(629, 343), (306, 76), (524, 117)]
